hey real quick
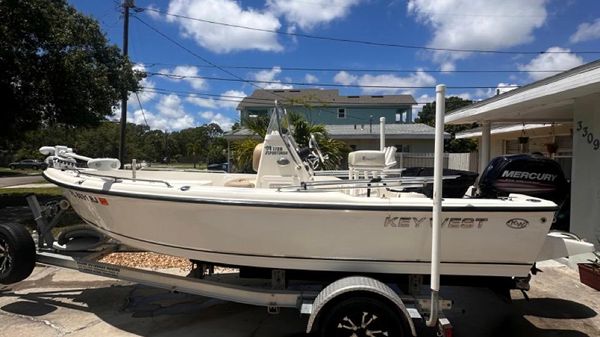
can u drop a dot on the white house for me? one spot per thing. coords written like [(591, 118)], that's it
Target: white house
[(569, 97)]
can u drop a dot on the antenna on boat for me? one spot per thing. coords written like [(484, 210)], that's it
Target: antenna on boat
[(438, 165)]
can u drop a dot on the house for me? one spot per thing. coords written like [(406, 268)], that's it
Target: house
[(328, 107), (554, 140), (570, 97), (351, 119)]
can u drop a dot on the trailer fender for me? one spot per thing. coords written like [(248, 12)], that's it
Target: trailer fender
[(356, 284)]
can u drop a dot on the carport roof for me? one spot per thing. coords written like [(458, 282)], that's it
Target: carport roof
[(547, 100)]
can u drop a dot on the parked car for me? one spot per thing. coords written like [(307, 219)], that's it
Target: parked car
[(28, 164), (217, 167)]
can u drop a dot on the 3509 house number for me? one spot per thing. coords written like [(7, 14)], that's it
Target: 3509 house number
[(588, 135)]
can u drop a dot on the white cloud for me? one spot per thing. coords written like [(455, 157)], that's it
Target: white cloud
[(345, 78), (310, 78), (170, 106), (171, 115), (229, 100), (308, 14), (209, 103), (222, 39), (477, 24), (586, 31), (224, 122), (562, 59), (145, 83), (156, 121), (270, 76), (153, 13), (416, 79), (505, 87), (421, 101), (186, 73)]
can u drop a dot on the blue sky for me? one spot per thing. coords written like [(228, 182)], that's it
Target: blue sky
[(186, 90)]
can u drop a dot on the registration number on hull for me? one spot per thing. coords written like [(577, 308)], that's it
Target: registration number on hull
[(89, 198)]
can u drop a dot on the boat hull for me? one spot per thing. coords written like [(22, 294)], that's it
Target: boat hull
[(504, 242)]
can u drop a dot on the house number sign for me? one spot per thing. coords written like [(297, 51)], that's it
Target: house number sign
[(586, 134)]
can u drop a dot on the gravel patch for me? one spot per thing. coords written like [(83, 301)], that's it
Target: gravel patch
[(155, 261), (149, 260)]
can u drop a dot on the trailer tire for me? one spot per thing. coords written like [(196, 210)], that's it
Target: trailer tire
[(361, 316), (17, 253)]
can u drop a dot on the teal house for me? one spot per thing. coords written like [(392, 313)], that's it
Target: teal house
[(351, 119), (328, 107)]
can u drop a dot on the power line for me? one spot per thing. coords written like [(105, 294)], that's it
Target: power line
[(238, 79), (165, 36), (141, 108), (235, 98), (321, 69), (364, 42)]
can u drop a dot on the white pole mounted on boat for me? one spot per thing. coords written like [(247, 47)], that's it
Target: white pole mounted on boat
[(438, 165), (381, 133)]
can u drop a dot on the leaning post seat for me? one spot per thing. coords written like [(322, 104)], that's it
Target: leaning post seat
[(366, 164), (370, 163)]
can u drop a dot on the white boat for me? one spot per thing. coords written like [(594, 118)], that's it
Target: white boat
[(288, 217)]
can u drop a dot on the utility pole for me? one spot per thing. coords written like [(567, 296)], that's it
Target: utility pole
[(126, 5)]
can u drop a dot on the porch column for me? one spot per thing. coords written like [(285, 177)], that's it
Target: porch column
[(484, 145)]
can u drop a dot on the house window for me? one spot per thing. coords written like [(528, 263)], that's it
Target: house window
[(341, 113)]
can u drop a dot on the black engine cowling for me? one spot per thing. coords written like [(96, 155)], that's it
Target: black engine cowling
[(531, 175)]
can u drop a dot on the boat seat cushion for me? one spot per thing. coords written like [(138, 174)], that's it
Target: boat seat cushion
[(240, 182), (366, 159)]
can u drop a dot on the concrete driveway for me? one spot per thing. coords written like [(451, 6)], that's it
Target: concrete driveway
[(54, 302)]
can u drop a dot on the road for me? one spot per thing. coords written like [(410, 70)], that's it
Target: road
[(13, 181)]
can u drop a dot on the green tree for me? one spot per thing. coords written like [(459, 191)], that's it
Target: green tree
[(427, 116), (56, 68), (302, 129)]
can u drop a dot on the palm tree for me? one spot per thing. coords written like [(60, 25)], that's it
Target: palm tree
[(193, 150), (302, 130)]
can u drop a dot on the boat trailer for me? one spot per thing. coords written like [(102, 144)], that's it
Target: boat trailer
[(352, 306), (355, 304)]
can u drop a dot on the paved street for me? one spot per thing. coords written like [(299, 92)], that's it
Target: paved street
[(12, 181), (55, 302)]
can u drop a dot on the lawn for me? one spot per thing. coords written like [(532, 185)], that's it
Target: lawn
[(6, 172), (11, 197), (16, 196)]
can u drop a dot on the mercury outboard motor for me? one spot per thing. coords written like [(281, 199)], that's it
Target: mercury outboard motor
[(531, 175)]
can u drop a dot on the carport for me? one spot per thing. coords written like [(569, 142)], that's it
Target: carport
[(572, 96)]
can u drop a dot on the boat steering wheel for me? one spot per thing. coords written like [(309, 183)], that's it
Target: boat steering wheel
[(313, 145)]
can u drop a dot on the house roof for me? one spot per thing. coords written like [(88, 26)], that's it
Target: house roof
[(511, 128), (317, 97), (361, 131), (547, 100)]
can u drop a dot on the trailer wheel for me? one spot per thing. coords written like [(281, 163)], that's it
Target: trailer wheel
[(17, 253), (363, 316)]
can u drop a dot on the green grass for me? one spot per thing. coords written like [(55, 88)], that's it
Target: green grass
[(16, 196), (6, 172)]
